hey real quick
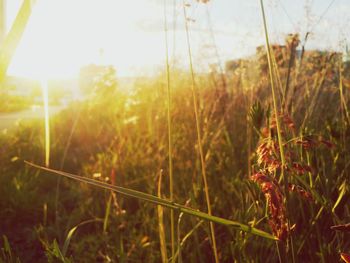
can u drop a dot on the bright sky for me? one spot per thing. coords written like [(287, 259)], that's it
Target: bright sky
[(63, 35)]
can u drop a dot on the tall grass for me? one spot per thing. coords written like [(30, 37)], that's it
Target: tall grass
[(170, 143), (122, 140), (121, 143), (273, 78), (199, 136), (159, 201)]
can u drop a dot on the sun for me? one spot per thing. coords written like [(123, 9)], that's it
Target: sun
[(62, 36)]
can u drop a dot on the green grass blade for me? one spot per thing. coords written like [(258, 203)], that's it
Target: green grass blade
[(71, 233), (67, 241), (160, 201), (342, 193), (108, 210)]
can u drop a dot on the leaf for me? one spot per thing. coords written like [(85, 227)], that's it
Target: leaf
[(342, 189), (57, 252), (108, 211), (7, 248), (71, 233), (159, 201), (67, 241)]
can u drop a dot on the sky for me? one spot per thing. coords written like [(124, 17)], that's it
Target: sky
[(63, 35)]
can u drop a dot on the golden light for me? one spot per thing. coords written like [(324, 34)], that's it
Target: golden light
[(47, 121), (64, 35)]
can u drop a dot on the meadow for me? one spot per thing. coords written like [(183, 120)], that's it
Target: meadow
[(247, 165)]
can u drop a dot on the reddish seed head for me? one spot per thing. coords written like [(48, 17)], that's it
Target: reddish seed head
[(300, 191), (298, 168), (288, 122), (274, 198)]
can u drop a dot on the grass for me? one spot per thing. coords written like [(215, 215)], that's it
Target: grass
[(136, 149), (170, 151), (141, 167), (199, 135)]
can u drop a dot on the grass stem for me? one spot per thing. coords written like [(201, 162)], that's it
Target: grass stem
[(158, 201), (170, 143), (199, 137), (278, 124)]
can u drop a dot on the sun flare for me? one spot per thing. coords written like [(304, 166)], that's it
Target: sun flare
[(64, 35)]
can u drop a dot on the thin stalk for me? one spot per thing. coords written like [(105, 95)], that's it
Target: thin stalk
[(286, 87), (278, 252), (277, 77), (179, 239), (158, 201), (343, 106), (278, 124), (170, 143), (174, 35), (212, 35), (269, 59), (162, 239), (47, 122), (182, 241), (199, 138), (107, 213), (62, 165), (249, 132)]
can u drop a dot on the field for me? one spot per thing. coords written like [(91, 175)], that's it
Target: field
[(246, 165)]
